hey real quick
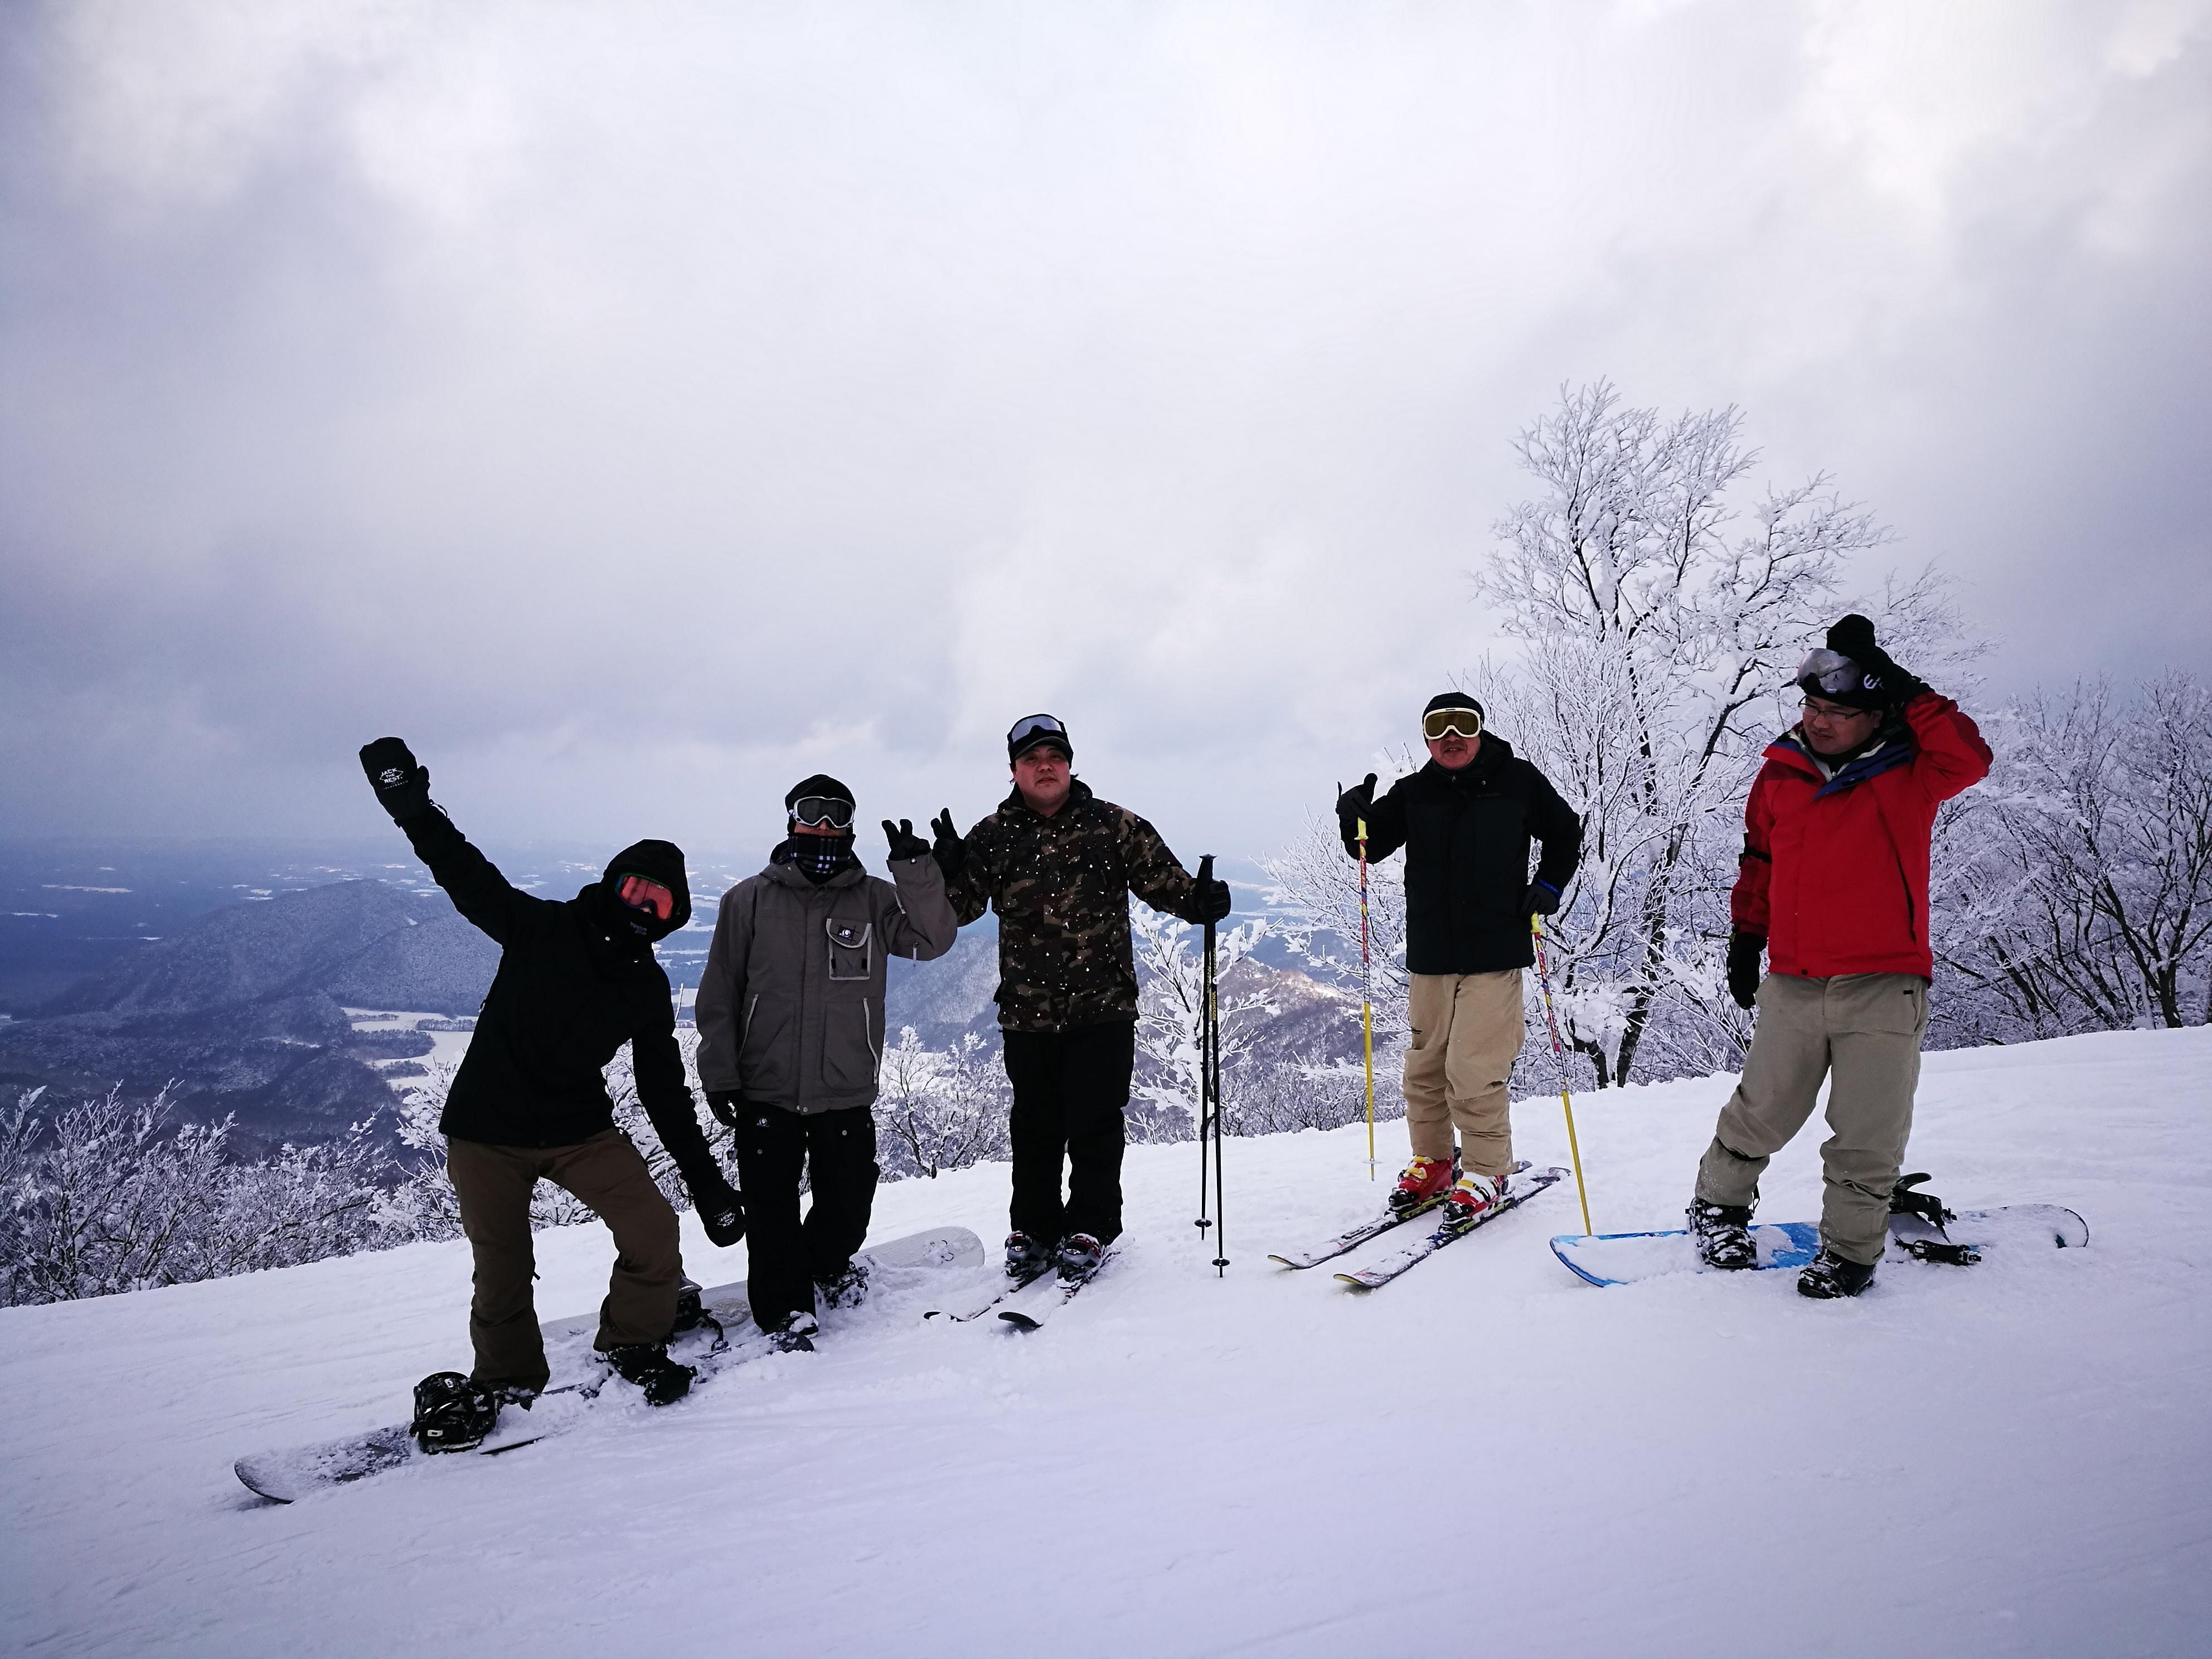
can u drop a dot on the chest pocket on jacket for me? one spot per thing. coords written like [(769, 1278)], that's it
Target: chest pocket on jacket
[(852, 948)]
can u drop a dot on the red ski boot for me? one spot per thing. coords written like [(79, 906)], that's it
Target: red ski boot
[(1423, 1185)]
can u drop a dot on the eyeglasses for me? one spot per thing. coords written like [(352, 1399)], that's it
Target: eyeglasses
[(642, 893), (1030, 726), (812, 810), (1828, 711), (1468, 722)]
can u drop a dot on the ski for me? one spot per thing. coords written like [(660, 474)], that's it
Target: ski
[(1005, 1289), (1046, 1295), (1519, 1189), (292, 1473), (1353, 1237)]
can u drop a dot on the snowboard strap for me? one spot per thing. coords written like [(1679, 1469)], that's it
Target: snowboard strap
[(1941, 1250), (1903, 1201)]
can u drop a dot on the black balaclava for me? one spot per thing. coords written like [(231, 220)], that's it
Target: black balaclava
[(634, 932), (815, 857)]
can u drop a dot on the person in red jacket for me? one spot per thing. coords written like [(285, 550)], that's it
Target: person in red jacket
[(1833, 888)]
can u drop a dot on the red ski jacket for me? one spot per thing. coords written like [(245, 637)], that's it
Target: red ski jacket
[(1834, 871)]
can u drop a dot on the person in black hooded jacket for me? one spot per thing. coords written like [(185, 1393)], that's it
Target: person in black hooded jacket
[(1466, 820), (576, 979)]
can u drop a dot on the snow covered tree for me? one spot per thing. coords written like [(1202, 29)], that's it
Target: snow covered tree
[(2080, 893), (1171, 980), (940, 1109)]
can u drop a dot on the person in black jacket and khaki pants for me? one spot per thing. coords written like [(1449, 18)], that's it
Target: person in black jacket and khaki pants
[(1466, 821), (576, 979)]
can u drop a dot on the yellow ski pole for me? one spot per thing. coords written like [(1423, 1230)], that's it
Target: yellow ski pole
[(1366, 1007), (1559, 1054)]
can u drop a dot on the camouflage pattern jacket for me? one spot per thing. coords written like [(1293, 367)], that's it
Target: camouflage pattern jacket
[(1061, 888)]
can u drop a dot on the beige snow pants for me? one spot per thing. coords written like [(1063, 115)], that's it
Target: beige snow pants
[(1466, 1031), (1866, 1029), (493, 1184)]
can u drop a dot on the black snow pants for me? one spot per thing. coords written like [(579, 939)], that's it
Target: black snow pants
[(1071, 1089), (789, 1257)]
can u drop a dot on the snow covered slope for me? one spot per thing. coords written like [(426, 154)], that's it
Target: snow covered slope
[(1487, 1456)]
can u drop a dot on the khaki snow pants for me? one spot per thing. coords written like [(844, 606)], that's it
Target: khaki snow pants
[(1466, 1031), (1866, 1029), (493, 1183)]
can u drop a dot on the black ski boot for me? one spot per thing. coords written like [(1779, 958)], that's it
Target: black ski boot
[(451, 1413), (847, 1288), (1025, 1258), (1078, 1257), (1832, 1276), (795, 1335), (648, 1364), (1723, 1234)]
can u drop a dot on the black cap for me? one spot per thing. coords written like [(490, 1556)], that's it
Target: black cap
[(1452, 700), (820, 784), (1034, 731)]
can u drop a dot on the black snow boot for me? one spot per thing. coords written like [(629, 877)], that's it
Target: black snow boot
[(1832, 1275), (648, 1364), (451, 1413), (1723, 1234), (1025, 1258), (847, 1288), (796, 1334), (1078, 1257)]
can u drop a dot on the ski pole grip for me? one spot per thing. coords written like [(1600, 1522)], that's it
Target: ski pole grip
[(1206, 868)]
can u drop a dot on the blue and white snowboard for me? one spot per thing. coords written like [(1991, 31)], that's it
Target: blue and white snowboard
[(1630, 1258), (291, 1474)]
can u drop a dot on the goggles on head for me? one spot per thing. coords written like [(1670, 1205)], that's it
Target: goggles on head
[(1829, 671), (813, 810), (1468, 722), (1031, 726), (642, 893)]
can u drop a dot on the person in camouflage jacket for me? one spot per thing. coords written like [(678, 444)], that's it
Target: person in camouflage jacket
[(1058, 864)]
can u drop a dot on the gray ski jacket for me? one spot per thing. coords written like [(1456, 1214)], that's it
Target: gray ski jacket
[(790, 1007)]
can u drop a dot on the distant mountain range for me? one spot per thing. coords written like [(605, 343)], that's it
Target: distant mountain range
[(243, 1008)]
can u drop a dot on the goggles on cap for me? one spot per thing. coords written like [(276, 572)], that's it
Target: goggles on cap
[(1830, 671), (642, 893), (1034, 725), (814, 810), (1468, 722)]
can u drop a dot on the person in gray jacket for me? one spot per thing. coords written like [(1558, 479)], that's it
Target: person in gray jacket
[(791, 1034)]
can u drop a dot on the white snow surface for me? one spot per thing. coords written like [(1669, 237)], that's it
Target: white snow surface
[(1488, 1455)]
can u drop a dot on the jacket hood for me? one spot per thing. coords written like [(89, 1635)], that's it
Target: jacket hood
[(656, 860)]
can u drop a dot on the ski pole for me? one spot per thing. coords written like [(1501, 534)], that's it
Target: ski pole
[(1366, 1005), (1560, 1055), (1204, 1043)]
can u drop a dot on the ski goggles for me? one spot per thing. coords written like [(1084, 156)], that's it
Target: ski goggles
[(1832, 672), (642, 893), (1033, 728), (1468, 722), (814, 811)]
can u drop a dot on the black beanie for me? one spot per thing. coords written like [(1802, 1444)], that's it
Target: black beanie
[(1452, 700), (820, 784)]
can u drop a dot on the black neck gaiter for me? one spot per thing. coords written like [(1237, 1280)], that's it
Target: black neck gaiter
[(815, 857)]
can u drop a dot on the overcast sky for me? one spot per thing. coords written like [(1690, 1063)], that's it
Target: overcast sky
[(639, 407)]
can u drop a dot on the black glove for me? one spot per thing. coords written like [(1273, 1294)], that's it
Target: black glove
[(403, 788), (1854, 637), (1209, 902), (1542, 899), (905, 844), (721, 1212), (1356, 803), (949, 850), (724, 1104), (1743, 973)]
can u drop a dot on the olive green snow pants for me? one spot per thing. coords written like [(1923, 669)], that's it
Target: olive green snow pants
[(1466, 1031), (493, 1183), (1866, 1029)]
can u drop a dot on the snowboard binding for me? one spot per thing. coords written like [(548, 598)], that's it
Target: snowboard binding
[(452, 1413), (1903, 1201)]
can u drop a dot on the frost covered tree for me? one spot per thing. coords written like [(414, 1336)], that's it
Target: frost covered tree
[(1660, 621), (940, 1109), (1171, 980), (2081, 896)]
